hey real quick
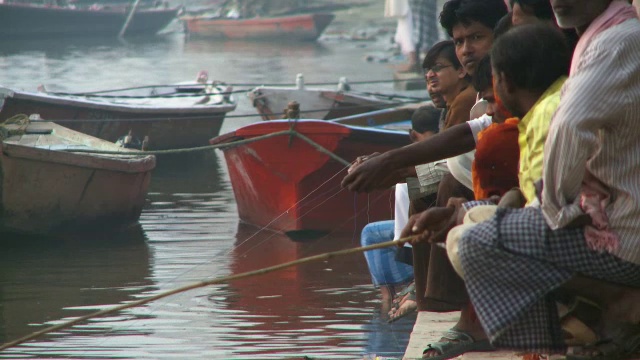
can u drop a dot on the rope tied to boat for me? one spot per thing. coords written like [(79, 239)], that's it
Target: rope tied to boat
[(292, 113), (21, 120), (314, 144), (205, 283)]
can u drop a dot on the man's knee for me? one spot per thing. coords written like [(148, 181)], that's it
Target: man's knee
[(377, 232)]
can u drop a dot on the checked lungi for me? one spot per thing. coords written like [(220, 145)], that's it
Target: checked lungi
[(514, 260), (425, 23)]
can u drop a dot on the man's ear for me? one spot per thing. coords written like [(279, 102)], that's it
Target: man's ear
[(413, 136), (507, 84), (462, 73)]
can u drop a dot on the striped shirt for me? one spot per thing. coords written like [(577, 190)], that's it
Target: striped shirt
[(597, 128)]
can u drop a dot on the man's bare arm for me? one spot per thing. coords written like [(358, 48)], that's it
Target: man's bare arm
[(385, 170)]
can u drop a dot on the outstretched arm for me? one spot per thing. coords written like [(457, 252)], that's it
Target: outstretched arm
[(387, 169)]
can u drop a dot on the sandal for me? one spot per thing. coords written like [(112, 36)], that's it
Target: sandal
[(459, 343), (578, 321), (408, 306), (623, 344), (401, 296)]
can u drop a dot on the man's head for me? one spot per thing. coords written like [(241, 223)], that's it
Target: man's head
[(425, 122), (483, 84), (528, 58), (442, 70), (531, 11), (470, 23), (578, 14)]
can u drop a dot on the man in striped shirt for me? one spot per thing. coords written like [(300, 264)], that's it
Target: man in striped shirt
[(584, 239)]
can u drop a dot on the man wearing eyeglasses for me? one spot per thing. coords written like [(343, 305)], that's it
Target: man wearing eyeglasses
[(444, 73)]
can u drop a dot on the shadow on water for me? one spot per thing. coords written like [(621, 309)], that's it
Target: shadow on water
[(48, 279), (197, 172)]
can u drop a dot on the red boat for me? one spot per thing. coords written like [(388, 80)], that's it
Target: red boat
[(286, 184), (305, 27)]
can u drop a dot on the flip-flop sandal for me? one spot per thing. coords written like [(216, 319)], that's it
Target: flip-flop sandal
[(578, 321), (623, 344), (400, 297), (460, 343), (410, 297)]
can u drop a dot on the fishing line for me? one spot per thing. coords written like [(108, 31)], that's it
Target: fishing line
[(263, 228), (325, 256)]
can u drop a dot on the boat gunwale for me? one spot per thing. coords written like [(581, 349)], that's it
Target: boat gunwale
[(86, 103)]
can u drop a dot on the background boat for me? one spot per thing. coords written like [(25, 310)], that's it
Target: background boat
[(176, 116), (320, 102), (46, 189), (300, 27), (285, 184), (33, 20)]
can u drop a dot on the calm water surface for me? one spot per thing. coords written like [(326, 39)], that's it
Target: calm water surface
[(189, 230)]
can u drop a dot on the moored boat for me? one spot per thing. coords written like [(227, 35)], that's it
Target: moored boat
[(319, 103), (28, 20), (175, 116), (300, 27), (46, 189), (286, 184)]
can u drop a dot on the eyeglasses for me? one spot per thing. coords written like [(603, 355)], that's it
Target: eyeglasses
[(436, 68)]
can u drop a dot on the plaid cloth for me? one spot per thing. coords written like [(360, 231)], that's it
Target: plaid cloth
[(428, 181), (514, 260), (383, 266), (425, 23)]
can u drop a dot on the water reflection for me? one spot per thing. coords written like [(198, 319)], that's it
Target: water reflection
[(64, 47), (44, 279), (312, 309)]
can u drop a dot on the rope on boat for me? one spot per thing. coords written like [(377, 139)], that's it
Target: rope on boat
[(315, 145), (179, 94), (325, 256), (238, 84), (21, 120), (232, 116)]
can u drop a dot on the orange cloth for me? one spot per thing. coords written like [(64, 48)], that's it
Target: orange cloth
[(495, 167)]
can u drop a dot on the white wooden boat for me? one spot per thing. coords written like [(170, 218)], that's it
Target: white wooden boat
[(319, 103), (172, 116), (45, 188)]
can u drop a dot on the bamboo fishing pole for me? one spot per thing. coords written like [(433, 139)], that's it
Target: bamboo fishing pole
[(325, 256)]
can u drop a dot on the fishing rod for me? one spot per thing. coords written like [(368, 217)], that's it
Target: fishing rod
[(205, 283)]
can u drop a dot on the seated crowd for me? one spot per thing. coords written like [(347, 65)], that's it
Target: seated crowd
[(525, 206)]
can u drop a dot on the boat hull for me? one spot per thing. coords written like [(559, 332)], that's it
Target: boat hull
[(307, 27), (47, 192), (287, 185), (30, 21), (166, 129)]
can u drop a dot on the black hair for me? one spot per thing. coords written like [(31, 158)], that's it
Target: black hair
[(541, 8), (445, 49), (486, 12), (532, 56), (503, 25), (426, 118), (483, 78)]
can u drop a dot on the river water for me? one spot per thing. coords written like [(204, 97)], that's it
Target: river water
[(189, 230)]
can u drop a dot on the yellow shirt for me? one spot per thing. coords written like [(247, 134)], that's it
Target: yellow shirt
[(533, 129)]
